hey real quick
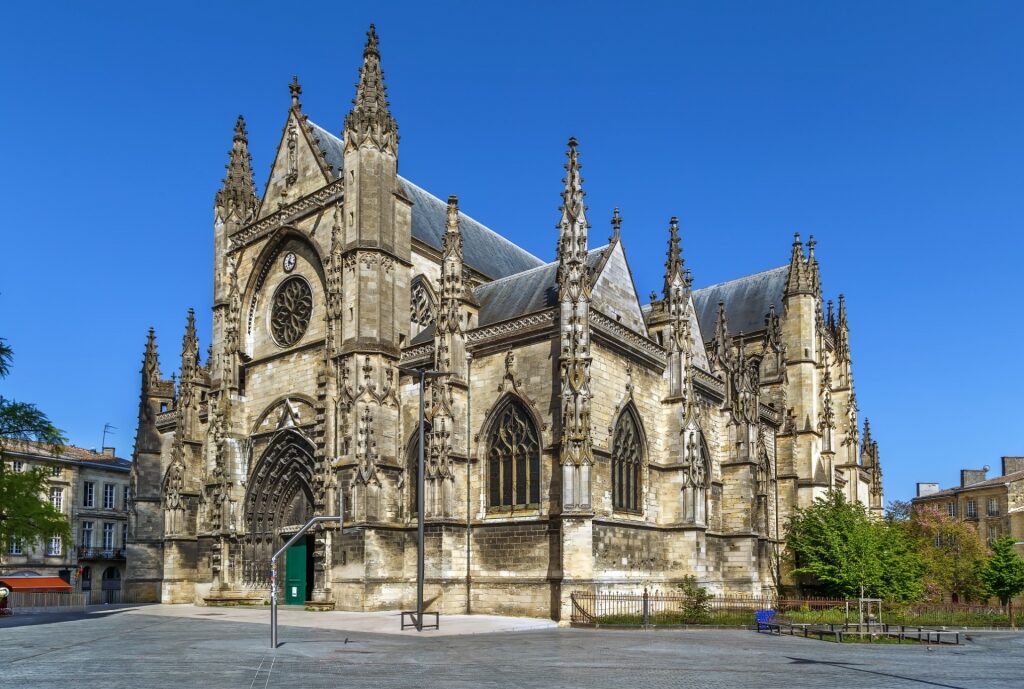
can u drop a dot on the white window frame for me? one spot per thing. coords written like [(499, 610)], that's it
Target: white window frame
[(57, 498), (109, 496), (17, 466), (86, 534), (971, 509), (55, 548), (108, 536), (55, 471), (993, 507), (951, 508), (14, 547), (89, 494)]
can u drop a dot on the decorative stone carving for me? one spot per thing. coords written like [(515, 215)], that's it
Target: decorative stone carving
[(290, 311)]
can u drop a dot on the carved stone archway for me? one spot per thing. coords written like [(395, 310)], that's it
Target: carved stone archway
[(279, 495)]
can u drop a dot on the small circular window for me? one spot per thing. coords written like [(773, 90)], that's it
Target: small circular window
[(290, 311)]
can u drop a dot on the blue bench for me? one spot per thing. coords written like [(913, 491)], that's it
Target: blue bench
[(764, 619)]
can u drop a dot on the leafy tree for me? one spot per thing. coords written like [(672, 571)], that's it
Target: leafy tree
[(696, 604), (1003, 572), (26, 515), (838, 545), (952, 552)]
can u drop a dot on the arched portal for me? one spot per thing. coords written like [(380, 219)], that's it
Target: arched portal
[(279, 499)]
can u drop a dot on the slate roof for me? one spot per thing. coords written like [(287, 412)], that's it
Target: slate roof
[(526, 292), (747, 301), (988, 483), (483, 249), (70, 453)]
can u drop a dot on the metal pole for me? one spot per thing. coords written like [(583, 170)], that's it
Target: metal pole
[(273, 602), (419, 520), (273, 570), (469, 480)]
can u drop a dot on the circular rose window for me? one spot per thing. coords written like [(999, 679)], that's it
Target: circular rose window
[(290, 311)]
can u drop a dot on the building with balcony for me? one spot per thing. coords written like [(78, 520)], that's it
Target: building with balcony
[(91, 488)]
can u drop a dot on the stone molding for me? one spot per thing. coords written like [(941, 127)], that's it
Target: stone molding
[(288, 215)]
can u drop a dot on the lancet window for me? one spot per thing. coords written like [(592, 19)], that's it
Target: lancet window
[(513, 457), (627, 457), (421, 302)]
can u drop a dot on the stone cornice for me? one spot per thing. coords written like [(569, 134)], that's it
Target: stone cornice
[(288, 214), (525, 326), (628, 339)]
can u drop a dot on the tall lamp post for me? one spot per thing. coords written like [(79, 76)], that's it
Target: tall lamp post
[(422, 374)]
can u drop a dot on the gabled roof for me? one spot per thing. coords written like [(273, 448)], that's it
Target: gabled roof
[(484, 249), (747, 301), (526, 292)]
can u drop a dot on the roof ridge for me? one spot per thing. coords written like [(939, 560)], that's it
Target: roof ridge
[(742, 277), (470, 217), (536, 268)]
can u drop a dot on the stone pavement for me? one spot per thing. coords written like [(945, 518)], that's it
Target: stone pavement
[(184, 648)]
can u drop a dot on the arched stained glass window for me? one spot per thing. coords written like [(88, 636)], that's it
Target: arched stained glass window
[(627, 456), (513, 457)]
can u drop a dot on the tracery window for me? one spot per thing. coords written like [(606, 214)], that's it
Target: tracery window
[(413, 473), (290, 311), (421, 303), (627, 455), (513, 455)]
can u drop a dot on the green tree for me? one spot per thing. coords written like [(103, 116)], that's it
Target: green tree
[(26, 515), (1003, 572), (836, 544), (952, 552)]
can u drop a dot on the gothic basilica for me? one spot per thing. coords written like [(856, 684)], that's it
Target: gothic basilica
[(579, 439)]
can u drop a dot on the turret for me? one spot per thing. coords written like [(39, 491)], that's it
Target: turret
[(575, 453), (372, 250)]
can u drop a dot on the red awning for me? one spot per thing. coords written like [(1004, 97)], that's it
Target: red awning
[(35, 584)]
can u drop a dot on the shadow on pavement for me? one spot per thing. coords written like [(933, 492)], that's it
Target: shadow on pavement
[(34, 619)]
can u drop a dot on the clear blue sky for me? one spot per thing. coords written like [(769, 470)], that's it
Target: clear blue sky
[(894, 132)]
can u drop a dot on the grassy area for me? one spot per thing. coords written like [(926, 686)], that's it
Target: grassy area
[(836, 615)]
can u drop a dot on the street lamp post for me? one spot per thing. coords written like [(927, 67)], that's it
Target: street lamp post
[(423, 374)]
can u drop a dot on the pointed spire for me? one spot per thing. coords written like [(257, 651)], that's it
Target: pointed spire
[(841, 323), (675, 266), (616, 226), (451, 242), (720, 351), (150, 363), (295, 89), (238, 191), (573, 226), (799, 279), (830, 316), (812, 265), (370, 118), (866, 437), (189, 347)]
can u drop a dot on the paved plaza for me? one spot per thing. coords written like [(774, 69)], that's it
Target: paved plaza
[(182, 647)]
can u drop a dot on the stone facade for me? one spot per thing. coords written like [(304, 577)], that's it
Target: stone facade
[(994, 506), (92, 489), (579, 439)]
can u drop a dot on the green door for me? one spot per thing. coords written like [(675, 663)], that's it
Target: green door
[(295, 574)]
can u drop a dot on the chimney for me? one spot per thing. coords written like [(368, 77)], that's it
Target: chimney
[(924, 489), (108, 452), (968, 477), (1012, 464)]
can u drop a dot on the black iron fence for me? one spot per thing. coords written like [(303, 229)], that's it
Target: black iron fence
[(675, 608)]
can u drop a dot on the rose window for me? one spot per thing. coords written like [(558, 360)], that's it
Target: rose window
[(290, 311)]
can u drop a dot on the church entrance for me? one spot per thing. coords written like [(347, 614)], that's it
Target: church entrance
[(298, 572), (279, 500)]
